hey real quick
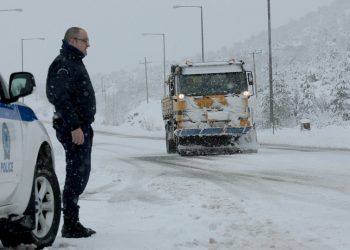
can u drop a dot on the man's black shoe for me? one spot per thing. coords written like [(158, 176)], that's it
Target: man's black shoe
[(76, 230)]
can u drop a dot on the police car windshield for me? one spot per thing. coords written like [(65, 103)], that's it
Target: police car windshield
[(213, 84)]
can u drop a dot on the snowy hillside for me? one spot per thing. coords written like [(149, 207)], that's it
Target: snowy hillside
[(145, 119), (311, 73), (311, 68)]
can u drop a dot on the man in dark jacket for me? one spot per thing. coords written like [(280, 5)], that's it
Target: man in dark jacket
[(70, 90)]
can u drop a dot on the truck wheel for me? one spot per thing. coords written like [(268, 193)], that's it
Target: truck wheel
[(170, 144), (47, 209)]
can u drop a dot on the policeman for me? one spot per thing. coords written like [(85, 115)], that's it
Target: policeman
[(70, 90)]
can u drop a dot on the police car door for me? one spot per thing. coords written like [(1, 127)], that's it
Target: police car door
[(11, 147)]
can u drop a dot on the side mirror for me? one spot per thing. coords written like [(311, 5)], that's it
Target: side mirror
[(21, 84), (250, 78), (171, 89)]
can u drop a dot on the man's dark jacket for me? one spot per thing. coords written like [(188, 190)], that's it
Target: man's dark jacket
[(69, 88)]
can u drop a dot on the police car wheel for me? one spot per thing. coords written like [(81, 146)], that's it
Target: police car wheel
[(47, 208), (47, 213)]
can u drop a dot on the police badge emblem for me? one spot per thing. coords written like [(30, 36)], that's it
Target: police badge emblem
[(6, 141)]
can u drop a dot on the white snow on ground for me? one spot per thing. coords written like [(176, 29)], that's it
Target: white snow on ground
[(337, 137), (139, 197)]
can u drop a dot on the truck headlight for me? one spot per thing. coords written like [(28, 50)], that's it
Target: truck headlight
[(181, 96), (246, 93)]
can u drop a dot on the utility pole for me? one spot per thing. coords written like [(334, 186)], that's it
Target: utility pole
[(103, 90), (163, 35), (272, 120), (254, 53), (145, 63)]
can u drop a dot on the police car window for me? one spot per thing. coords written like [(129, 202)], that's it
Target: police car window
[(17, 86)]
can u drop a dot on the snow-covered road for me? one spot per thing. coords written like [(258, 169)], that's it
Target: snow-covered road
[(139, 197)]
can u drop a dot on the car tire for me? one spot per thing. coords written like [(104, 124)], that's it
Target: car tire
[(47, 213), (47, 209)]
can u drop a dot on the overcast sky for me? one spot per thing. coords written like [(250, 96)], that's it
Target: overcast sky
[(115, 29)]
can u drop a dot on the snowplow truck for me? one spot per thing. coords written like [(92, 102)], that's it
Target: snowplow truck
[(207, 109)]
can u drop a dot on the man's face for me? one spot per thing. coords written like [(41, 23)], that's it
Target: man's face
[(81, 42)]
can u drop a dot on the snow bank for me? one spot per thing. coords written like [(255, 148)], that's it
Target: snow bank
[(145, 120), (337, 137)]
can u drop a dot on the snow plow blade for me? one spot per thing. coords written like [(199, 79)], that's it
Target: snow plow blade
[(217, 141)]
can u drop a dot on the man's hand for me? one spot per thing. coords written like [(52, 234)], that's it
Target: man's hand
[(78, 136)]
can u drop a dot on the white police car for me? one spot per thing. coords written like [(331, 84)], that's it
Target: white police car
[(30, 202)]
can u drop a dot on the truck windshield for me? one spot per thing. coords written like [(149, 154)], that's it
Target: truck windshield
[(212, 84)]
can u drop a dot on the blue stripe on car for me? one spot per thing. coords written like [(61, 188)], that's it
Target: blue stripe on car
[(9, 111), (27, 114)]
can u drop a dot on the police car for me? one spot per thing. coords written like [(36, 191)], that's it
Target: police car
[(30, 202)]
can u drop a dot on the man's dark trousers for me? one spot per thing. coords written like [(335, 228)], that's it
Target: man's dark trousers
[(78, 166)]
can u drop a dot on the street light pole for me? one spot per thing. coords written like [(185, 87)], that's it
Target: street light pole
[(163, 35), (202, 33), (272, 120), (24, 39)]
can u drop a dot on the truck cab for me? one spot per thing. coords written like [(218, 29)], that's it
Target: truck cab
[(207, 108)]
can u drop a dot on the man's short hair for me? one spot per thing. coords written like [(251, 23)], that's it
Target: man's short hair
[(72, 32)]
